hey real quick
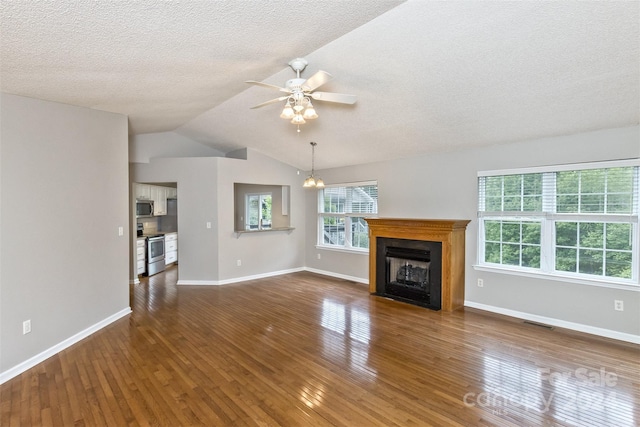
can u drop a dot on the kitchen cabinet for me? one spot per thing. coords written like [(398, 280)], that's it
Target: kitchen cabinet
[(141, 256), (172, 193), (159, 197), (170, 248), (143, 191)]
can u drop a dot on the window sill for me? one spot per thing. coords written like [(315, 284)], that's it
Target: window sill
[(346, 250), (265, 230), (579, 280)]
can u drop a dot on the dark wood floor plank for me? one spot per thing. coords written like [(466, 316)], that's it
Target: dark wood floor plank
[(308, 350)]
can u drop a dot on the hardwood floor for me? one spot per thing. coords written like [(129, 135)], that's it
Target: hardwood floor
[(308, 350)]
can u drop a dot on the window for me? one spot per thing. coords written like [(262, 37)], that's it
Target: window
[(576, 221), (341, 212), (258, 213)]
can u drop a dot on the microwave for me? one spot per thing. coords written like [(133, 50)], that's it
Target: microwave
[(144, 208)]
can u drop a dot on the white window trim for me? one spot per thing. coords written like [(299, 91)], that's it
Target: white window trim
[(547, 259)]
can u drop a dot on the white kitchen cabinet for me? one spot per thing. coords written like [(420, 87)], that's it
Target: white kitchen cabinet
[(143, 191), (172, 193), (170, 248), (141, 256), (159, 197)]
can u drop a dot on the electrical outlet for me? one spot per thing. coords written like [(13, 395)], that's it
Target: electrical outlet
[(26, 327), (618, 305), (319, 256), (208, 225), (480, 283), (239, 262), (120, 231)]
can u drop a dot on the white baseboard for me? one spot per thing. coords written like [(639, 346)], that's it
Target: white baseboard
[(38, 358), (237, 279), (607, 333), (135, 281), (337, 275)]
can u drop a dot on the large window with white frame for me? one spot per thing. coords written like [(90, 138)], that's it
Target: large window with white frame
[(574, 221), (342, 210)]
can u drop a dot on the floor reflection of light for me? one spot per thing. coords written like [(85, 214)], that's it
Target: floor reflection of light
[(573, 396), (312, 394), (351, 345)]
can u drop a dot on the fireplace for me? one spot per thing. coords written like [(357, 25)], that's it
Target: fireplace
[(418, 260), (410, 271)]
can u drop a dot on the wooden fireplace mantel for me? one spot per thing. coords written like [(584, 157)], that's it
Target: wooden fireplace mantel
[(451, 233)]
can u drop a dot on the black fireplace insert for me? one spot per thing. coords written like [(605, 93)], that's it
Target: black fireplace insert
[(410, 271)]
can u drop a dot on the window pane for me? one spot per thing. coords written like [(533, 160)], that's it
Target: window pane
[(334, 199), (591, 235), (531, 256), (359, 233), (567, 203), (619, 203), (512, 203), (513, 185), (620, 180), (566, 259), (362, 199), (592, 203), (493, 187), (253, 212), (492, 252), (492, 230), (531, 232), (567, 234), (592, 181), (511, 232), (619, 264), (568, 182), (333, 231), (590, 261), (619, 236), (493, 204), (511, 254)]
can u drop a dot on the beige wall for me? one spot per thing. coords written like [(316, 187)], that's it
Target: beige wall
[(64, 194)]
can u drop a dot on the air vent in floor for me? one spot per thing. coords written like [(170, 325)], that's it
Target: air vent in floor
[(540, 325)]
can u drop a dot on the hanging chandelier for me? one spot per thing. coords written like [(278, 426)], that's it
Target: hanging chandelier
[(311, 181)]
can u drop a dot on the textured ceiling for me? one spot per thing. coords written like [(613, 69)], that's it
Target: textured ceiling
[(429, 76)]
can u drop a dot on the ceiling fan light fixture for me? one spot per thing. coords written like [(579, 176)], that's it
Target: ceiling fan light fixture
[(310, 112), (299, 92), (287, 112), (298, 120)]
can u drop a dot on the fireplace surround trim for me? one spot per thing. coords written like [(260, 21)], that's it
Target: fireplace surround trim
[(450, 232)]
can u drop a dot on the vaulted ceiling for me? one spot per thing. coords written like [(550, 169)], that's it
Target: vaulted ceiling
[(429, 75)]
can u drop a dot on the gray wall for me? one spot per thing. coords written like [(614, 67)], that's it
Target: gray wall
[(64, 193), (206, 194), (444, 186), (143, 148)]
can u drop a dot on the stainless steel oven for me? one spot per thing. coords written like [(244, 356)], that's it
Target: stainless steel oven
[(155, 254)]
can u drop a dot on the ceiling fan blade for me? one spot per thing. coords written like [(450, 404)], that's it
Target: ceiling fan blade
[(342, 98), (315, 81), (282, 89), (273, 101)]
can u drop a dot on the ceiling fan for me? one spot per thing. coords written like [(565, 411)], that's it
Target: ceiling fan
[(300, 92)]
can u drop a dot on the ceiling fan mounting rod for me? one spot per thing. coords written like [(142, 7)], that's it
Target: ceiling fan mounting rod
[(298, 65)]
